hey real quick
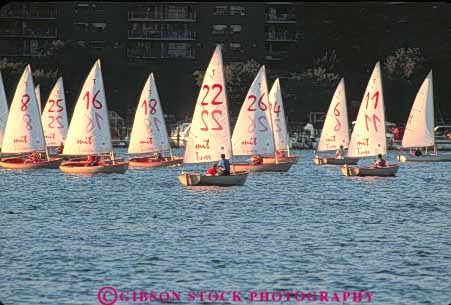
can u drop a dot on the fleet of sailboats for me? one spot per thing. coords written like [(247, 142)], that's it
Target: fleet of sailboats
[(26, 132), (149, 133), (335, 132)]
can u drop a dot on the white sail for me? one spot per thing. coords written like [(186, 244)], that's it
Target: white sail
[(279, 122), (149, 133), (253, 133), (37, 91), (209, 135), (54, 117), (3, 110), (89, 131), (335, 131), (419, 130), (23, 132), (368, 137)]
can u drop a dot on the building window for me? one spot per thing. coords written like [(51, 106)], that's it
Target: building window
[(99, 26), (237, 10), (235, 46), (219, 29), (98, 44), (220, 10), (235, 28)]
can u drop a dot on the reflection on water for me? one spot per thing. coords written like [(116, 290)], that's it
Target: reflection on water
[(65, 236)]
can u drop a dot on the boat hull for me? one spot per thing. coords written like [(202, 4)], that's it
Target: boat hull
[(196, 179), (427, 158), (19, 163), (334, 161), (146, 162), (82, 168), (389, 171), (271, 167), (272, 160)]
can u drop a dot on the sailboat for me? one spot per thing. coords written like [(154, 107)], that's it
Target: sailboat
[(37, 91), (335, 132), (3, 110), (368, 137), (149, 133), (419, 132), (54, 117), (89, 131), (253, 133), (280, 125), (23, 132), (209, 136)]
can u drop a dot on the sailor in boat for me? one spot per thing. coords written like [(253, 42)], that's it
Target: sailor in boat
[(339, 154), (158, 158), (60, 149), (213, 170), (280, 154), (380, 162), (224, 166), (35, 157), (93, 160), (257, 160)]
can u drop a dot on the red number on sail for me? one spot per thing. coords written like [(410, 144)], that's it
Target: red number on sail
[(24, 100), (27, 120), (153, 106), (276, 107), (214, 102), (215, 118), (375, 95), (95, 102), (146, 107), (251, 97), (368, 119), (57, 103), (58, 119), (203, 120), (260, 103), (203, 100)]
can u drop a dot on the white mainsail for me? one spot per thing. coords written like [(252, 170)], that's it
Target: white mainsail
[(253, 133), (149, 133), (336, 130), (3, 110), (54, 116), (368, 137), (419, 130), (279, 122), (23, 132), (37, 91), (89, 131), (209, 135)]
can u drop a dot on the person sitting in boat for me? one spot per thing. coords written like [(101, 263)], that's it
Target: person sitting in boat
[(35, 157), (158, 158), (417, 152), (213, 170), (380, 162), (257, 160), (224, 166), (340, 154), (93, 160), (280, 154), (60, 149)]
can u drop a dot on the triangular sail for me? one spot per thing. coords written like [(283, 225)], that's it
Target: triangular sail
[(149, 133), (419, 130), (3, 110), (253, 133), (23, 132), (37, 91), (89, 131), (54, 117), (209, 136), (368, 137), (279, 122), (335, 131)]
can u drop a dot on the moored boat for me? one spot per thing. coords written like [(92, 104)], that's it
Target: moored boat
[(89, 132), (365, 171), (335, 161), (196, 179)]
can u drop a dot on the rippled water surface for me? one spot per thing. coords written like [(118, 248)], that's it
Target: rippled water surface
[(63, 237)]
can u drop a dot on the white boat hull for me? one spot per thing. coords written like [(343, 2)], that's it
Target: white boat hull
[(271, 167), (82, 168), (334, 161), (196, 179), (389, 171), (424, 158)]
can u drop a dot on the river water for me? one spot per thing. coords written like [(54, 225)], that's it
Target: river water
[(63, 237)]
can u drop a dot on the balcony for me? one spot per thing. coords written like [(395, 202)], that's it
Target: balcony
[(170, 17), (280, 18), (281, 36), (162, 35), (24, 13), (29, 33)]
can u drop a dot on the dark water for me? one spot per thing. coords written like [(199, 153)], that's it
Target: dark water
[(63, 237)]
